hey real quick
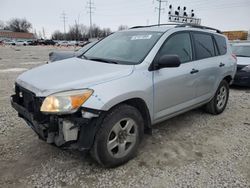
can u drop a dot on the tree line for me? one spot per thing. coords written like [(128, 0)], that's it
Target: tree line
[(81, 32), (16, 25), (75, 32)]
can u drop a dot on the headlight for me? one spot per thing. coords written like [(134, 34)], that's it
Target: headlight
[(65, 102), (246, 68)]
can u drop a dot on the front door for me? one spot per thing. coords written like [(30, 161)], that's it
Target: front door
[(174, 88)]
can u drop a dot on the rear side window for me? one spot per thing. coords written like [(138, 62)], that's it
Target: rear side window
[(204, 46), (178, 44), (221, 43)]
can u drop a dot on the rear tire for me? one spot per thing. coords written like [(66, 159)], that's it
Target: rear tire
[(119, 136), (219, 102)]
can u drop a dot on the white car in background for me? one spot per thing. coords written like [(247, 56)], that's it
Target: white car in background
[(63, 43), (21, 43), (9, 42)]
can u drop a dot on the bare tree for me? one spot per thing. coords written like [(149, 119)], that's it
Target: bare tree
[(35, 34), (40, 35), (19, 25), (1, 24), (74, 32), (81, 32), (43, 32), (122, 27), (57, 35)]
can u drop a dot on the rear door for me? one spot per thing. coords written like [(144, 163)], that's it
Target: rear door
[(207, 63)]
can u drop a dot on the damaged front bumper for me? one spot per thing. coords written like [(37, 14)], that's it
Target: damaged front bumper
[(74, 131)]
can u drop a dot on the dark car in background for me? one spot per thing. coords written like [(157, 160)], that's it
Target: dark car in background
[(42, 42), (48, 42), (60, 55), (242, 51)]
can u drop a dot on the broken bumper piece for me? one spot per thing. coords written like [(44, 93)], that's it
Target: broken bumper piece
[(74, 131)]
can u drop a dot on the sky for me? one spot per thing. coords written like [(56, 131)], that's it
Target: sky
[(47, 14)]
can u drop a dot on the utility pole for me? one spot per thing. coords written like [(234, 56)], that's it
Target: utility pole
[(64, 17), (160, 9), (90, 7)]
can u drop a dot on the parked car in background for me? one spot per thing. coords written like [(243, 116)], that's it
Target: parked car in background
[(30, 42), (82, 43), (242, 52), (63, 43), (60, 55), (104, 100), (21, 43), (48, 42), (33, 42), (9, 42)]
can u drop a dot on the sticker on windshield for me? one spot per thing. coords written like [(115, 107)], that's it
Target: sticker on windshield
[(141, 37)]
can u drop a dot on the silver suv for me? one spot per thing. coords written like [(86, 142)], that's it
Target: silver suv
[(106, 99)]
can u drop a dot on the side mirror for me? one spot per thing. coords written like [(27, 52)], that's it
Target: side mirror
[(169, 61), (166, 61)]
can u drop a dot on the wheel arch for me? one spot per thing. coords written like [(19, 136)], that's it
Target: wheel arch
[(141, 106)]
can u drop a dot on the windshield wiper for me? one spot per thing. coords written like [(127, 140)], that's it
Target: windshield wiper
[(85, 57), (103, 60)]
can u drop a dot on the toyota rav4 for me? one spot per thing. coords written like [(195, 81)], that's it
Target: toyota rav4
[(106, 99)]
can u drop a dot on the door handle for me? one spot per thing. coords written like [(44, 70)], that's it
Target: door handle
[(221, 65), (193, 71)]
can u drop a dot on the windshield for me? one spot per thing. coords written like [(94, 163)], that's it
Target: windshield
[(86, 47), (130, 47), (241, 51)]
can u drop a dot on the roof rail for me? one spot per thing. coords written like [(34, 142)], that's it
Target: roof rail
[(141, 26), (198, 26)]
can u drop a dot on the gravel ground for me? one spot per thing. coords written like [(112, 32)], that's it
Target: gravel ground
[(192, 150)]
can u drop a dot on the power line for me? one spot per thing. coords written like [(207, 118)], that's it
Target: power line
[(90, 7), (160, 9), (64, 17)]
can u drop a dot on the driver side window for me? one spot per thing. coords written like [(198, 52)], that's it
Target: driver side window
[(178, 44)]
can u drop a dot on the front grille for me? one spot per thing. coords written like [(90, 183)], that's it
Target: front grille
[(30, 102)]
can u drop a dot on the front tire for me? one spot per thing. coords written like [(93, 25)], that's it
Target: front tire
[(219, 102), (117, 140)]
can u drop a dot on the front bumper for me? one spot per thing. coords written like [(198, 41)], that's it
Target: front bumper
[(69, 131), (242, 78)]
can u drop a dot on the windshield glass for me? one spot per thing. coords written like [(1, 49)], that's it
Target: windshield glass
[(86, 47), (243, 51), (130, 47)]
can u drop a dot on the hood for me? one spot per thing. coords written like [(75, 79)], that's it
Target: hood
[(69, 74), (243, 60)]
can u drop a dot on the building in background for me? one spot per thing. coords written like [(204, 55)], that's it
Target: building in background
[(236, 35), (9, 35)]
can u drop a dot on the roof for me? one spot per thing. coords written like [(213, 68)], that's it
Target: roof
[(166, 27), (19, 35), (154, 28)]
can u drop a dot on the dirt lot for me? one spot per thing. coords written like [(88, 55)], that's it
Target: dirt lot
[(192, 150)]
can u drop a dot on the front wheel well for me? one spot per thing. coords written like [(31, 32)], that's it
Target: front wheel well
[(141, 106)]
